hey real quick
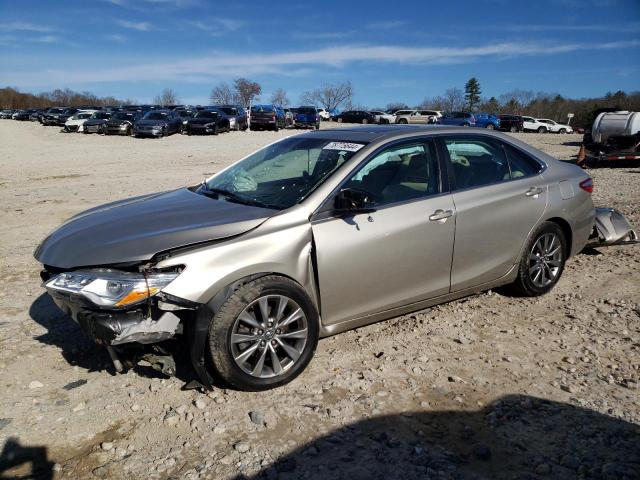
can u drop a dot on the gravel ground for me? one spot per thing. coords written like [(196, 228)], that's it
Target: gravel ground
[(489, 386)]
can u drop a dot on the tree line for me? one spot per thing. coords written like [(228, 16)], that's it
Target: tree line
[(340, 95), (13, 98)]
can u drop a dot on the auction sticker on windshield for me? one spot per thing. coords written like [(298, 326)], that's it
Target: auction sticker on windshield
[(345, 146)]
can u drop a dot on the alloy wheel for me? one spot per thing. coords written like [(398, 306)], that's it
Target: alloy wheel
[(545, 260), (269, 336)]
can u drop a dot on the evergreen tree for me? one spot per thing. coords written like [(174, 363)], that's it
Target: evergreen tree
[(472, 93)]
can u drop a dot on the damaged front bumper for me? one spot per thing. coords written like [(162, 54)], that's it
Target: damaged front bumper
[(145, 323), (611, 228)]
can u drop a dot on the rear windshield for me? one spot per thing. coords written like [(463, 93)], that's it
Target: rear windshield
[(262, 108), (228, 110), (307, 110), (101, 115)]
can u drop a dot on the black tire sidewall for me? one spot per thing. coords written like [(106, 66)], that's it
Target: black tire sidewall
[(524, 284), (222, 323)]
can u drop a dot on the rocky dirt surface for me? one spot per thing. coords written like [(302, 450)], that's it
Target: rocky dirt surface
[(490, 386)]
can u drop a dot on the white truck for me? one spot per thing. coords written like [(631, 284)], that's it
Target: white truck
[(614, 136)]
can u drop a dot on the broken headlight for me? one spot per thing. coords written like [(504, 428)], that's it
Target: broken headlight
[(111, 288)]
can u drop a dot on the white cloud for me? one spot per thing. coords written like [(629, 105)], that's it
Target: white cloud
[(139, 26), (215, 25), (387, 25), (616, 29), (116, 37), (46, 39), (25, 27), (298, 63)]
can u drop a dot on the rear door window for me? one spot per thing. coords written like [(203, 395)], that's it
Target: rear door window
[(521, 164), (477, 162)]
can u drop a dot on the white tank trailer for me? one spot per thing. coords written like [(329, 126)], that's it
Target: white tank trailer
[(615, 136)]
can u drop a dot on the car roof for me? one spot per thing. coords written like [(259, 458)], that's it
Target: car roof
[(371, 133)]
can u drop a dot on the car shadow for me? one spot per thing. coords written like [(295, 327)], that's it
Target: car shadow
[(20, 462), (571, 144), (78, 350), (516, 437)]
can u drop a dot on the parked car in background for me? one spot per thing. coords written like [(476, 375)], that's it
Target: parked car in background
[(324, 114), (184, 115), (23, 115), (355, 116), (267, 117), (511, 123), (383, 117), (459, 119), (122, 123), (35, 116), (530, 124), (96, 122), (314, 235), (6, 113), (307, 117), (237, 115), (76, 122), (487, 120), (158, 123), (210, 121), (51, 116), (555, 127), (289, 118), (423, 117)]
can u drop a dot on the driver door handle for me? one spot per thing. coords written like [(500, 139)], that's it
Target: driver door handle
[(533, 191), (440, 214)]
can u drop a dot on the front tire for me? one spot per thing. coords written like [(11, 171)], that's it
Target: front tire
[(264, 335), (562, 131), (490, 126), (543, 261)]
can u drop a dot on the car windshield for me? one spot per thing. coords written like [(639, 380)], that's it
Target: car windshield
[(122, 116), (80, 116), (307, 110), (155, 116), (206, 114), (184, 113), (282, 174), (228, 110)]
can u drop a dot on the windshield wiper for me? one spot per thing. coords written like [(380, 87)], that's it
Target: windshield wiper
[(230, 196)]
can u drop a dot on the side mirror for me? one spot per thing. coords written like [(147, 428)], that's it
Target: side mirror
[(350, 202)]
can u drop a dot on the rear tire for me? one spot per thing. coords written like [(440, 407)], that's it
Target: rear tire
[(402, 121), (292, 354), (542, 262), (513, 129), (490, 126), (339, 120), (542, 130)]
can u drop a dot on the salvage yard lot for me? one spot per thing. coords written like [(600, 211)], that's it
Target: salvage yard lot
[(490, 385)]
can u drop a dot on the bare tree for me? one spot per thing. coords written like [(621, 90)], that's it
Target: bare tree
[(394, 106), (453, 99), (330, 96), (279, 98), (167, 97), (247, 90), (223, 94)]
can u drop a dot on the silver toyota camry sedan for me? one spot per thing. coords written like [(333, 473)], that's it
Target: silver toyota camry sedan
[(313, 235)]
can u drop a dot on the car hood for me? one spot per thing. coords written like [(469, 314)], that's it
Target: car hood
[(135, 229), (151, 123)]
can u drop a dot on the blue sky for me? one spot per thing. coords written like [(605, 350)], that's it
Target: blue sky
[(391, 51)]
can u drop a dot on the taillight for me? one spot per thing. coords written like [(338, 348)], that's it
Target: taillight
[(587, 185)]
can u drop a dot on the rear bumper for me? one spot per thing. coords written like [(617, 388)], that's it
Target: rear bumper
[(118, 130)]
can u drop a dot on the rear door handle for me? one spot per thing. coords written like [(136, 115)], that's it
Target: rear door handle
[(440, 214), (533, 191)]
